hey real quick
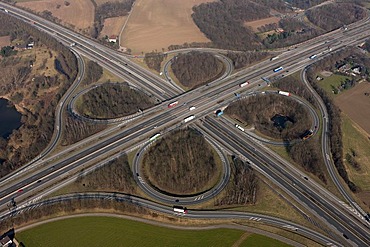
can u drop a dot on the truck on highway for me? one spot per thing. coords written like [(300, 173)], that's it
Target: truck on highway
[(72, 44), (244, 84), (154, 137), (179, 209), (239, 127), (278, 69), (274, 58), (189, 118), (284, 93), (170, 105)]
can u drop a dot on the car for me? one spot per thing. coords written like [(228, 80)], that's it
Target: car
[(177, 200), (137, 174), (20, 191)]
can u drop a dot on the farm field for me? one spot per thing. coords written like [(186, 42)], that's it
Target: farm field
[(98, 231), (4, 41), (259, 23), (154, 25), (78, 13), (356, 105), (112, 26)]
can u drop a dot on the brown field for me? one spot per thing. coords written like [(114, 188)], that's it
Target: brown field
[(156, 24), (78, 13), (4, 41), (356, 105), (112, 26), (259, 23)]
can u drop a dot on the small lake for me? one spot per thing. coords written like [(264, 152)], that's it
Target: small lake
[(10, 118), (280, 121)]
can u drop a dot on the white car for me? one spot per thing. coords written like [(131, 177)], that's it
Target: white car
[(192, 108)]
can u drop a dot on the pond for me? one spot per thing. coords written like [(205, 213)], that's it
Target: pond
[(280, 121), (10, 118)]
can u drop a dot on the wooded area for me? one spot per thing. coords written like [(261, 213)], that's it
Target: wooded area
[(194, 69), (154, 59), (244, 59), (108, 10), (93, 73), (112, 100), (181, 163), (335, 131), (305, 4), (38, 117), (332, 16), (259, 110), (243, 185), (115, 176)]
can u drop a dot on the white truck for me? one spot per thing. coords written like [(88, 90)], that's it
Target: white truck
[(284, 93), (179, 209), (189, 118), (239, 127)]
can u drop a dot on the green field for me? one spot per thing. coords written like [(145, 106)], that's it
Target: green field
[(109, 231), (332, 81)]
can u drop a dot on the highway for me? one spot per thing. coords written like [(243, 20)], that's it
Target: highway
[(205, 98)]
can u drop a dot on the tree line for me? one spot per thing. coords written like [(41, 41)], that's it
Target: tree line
[(194, 69), (335, 131), (93, 73), (38, 119), (112, 100), (154, 59), (180, 163), (258, 111), (242, 188), (244, 59)]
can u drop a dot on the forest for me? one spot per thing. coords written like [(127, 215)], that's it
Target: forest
[(154, 59), (180, 163), (244, 59), (93, 73), (38, 110), (194, 69), (242, 188), (258, 111), (112, 100)]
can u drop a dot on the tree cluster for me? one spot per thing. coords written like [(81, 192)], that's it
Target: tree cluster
[(351, 160), (335, 131), (7, 51), (244, 59), (181, 163), (109, 10), (194, 69), (333, 16), (153, 60), (72, 206), (93, 73), (242, 188), (308, 155), (115, 175), (259, 111), (112, 100), (38, 119), (75, 130)]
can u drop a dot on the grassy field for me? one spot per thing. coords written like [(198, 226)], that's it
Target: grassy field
[(354, 138), (332, 81), (259, 23), (109, 231), (78, 13), (154, 25), (355, 98), (112, 26)]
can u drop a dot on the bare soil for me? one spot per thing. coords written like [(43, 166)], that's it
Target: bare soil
[(157, 24), (79, 13), (4, 41), (259, 23), (356, 105)]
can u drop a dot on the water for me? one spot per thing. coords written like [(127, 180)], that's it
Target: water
[(280, 121), (10, 119)]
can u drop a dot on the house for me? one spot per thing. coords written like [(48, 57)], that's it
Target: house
[(112, 38), (5, 242)]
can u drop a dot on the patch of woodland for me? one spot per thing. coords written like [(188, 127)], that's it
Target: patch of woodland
[(182, 163), (305, 4), (335, 130), (154, 59), (194, 69), (259, 110), (23, 85), (244, 59), (308, 154), (112, 100), (109, 10), (116, 176), (242, 188), (70, 206), (335, 15), (76, 130), (93, 73), (295, 86)]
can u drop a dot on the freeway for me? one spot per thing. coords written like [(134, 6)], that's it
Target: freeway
[(192, 214), (299, 188), (213, 93)]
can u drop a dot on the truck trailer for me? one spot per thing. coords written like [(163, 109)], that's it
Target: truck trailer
[(284, 93)]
